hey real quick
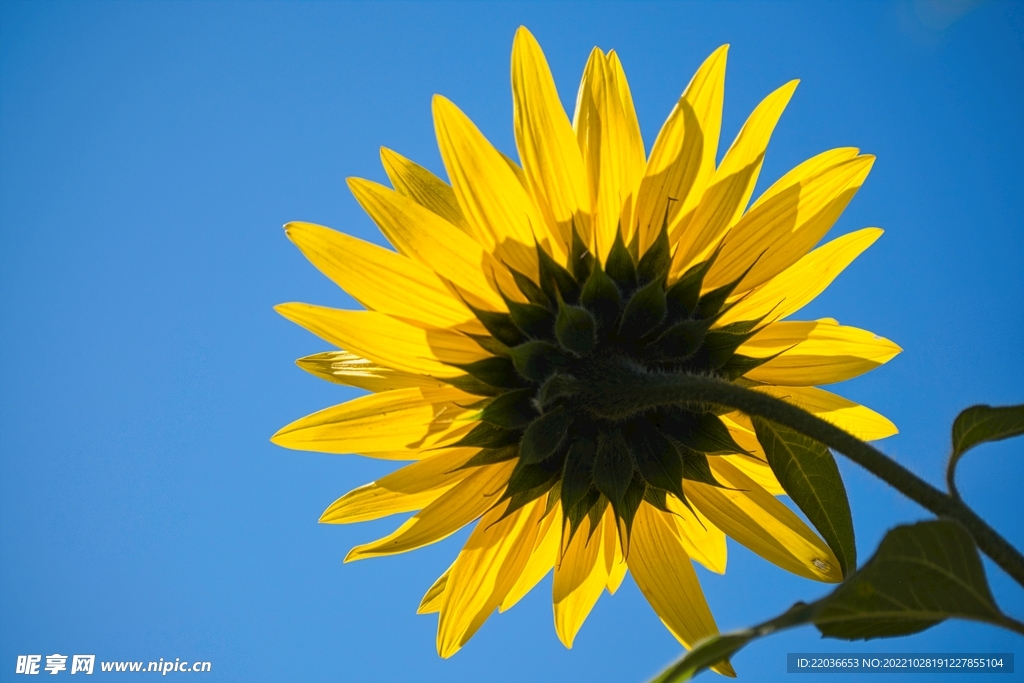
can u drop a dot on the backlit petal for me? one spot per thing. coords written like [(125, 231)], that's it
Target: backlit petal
[(755, 518), (683, 156), (423, 187), (493, 558), (423, 235), (412, 487), (546, 143), (758, 470), (609, 140), (795, 287), (730, 188), (580, 577), (382, 280), (756, 464), (386, 340), (786, 226), (861, 421), (459, 506), (702, 540), (662, 570), (351, 370), (417, 417), (542, 558), (805, 170), (615, 563), (500, 214), (819, 352), (432, 599)]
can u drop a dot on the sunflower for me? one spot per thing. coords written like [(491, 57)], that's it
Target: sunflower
[(518, 297)]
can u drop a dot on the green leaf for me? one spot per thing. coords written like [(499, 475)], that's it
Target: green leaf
[(808, 473), (920, 575), (978, 425), (715, 649)]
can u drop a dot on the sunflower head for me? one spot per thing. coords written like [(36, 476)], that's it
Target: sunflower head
[(584, 330), (505, 337)]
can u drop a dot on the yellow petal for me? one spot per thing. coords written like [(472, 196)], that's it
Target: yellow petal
[(780, 230), (662, 570), (386, 340), (452, 436), (351, 370), (758, 470), (542, 558), (615, 563), (610, 143), (683, 156), (861, 421), (546, 143), (702, 540), (517, 170), (423, 187), (423, 235), (493, 558), (819, 352), (755, 465), (795, 287), (730, 188), (580, 578), (382, 280), (742, 429), (805, 170), (411, 488), (432, 599), (500, 214), (417, 417), (755, 518), (634, 158), (466, 501)]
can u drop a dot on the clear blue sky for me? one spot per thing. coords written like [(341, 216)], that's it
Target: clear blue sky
[(150, 152)]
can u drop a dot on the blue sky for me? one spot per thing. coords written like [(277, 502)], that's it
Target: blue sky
[(150, 152)]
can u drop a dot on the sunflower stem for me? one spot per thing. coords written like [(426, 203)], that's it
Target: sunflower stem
[(636, 391)]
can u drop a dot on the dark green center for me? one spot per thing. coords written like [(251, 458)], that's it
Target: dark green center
[(553, 384)]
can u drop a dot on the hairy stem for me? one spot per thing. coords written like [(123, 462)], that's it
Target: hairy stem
[(636, 391)]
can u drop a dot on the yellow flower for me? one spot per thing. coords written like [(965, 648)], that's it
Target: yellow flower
[(518, 284)]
